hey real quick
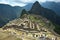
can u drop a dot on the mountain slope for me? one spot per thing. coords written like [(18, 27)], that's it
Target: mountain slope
[(6, 35), (30, 27), (52, 5), (8, 13), (49, 14)]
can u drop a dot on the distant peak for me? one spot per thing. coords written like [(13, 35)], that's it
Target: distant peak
[(37, 3), (36, 6)]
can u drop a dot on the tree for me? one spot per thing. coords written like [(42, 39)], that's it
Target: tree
[(24, 13)]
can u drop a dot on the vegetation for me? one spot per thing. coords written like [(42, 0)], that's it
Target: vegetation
[(18, 39), (57, 29), (23, 13)]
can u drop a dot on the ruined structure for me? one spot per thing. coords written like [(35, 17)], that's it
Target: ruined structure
[(26, 28)]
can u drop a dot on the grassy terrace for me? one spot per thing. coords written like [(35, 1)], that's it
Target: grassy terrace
[(4, 35), (20, 30)]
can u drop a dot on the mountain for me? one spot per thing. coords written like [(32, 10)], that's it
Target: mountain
[(50, 5), (28, 6), (23, 12), (48, 13), (55, 6), (8, 13), (30, 27)]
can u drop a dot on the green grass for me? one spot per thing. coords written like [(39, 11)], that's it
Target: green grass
[(18, 39), (57, 29)]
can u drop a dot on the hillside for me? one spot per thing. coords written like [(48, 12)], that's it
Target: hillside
[(55, 6), (31, 27), (6, 35), (8, 13), (48, 13)]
